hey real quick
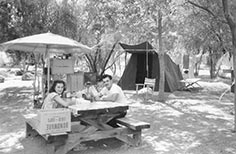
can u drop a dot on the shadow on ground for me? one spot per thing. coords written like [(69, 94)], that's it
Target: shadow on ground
[(186, 123)]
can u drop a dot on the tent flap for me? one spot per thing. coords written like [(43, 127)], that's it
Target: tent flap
[(137, 49)]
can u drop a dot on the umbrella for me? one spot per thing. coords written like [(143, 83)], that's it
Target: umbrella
[(46, 43)]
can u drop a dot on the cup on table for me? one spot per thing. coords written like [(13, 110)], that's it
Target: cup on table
[(78, 94), (73, 100)]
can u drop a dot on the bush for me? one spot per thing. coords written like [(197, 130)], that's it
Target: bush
[(19, 73), (27, 76), (2, 79)]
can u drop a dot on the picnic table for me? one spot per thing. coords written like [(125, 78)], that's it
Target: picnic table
[(190, 83), (90, 122)]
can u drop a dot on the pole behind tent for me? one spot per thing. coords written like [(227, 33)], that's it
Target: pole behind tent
[(147, 60)]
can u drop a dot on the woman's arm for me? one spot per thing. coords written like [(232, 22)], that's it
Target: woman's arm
[(59, 100)]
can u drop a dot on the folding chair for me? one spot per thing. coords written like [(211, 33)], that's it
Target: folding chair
[(148, 83)]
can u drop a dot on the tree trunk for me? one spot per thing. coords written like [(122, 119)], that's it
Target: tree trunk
[(161, 60), (232, 26), (211, 63), (234, 63)]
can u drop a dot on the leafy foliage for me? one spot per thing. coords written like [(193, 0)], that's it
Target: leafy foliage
[(193, 26)]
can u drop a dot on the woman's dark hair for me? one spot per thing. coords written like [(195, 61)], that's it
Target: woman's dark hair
[(52, 89)]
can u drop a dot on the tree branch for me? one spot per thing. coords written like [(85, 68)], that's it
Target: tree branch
[(108, 57), (231, 22), (227, 15), (205, 9), (202, 7), (89, 60), (113, 63)]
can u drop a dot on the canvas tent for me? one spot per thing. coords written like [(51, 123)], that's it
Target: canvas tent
[(224, 66), (143, 63)]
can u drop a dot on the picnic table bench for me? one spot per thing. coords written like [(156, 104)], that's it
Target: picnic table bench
[(90, 123)]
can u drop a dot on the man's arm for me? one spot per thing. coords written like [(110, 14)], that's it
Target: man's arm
[(110, 97)]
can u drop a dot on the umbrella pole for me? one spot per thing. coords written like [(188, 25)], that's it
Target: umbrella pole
[(48, 68), (43, 79), (35, 78)]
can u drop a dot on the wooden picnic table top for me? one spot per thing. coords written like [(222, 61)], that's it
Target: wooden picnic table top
[(97, 107)]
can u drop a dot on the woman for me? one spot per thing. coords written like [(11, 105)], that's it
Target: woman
[(53, 99)]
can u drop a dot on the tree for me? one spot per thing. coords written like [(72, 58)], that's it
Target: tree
[(221, 15), (101, 30), (62, 19), (8, 25), (162, 28), (23, 18), (232, 25), (161, 59), (206, 31)]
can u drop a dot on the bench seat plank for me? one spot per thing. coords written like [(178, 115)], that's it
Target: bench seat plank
[(132, 123)]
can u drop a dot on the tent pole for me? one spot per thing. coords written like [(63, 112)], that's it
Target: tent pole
[(147, 60), (35, 78), (125, 58)]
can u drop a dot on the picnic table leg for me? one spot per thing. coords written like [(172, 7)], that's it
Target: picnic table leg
[(50, 148), (69, 145), (73, 140), (101, 121), (30, 132), (133, 140), (137, 138)]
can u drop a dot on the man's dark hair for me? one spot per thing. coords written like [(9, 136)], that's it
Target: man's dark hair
[(99, 79), (107, 76)]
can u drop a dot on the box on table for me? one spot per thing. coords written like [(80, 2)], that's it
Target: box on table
[(53, 121)]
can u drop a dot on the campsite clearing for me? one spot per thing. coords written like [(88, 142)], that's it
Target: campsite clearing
[(188, 122)]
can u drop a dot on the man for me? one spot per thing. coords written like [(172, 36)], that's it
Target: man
[(112, 92)]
